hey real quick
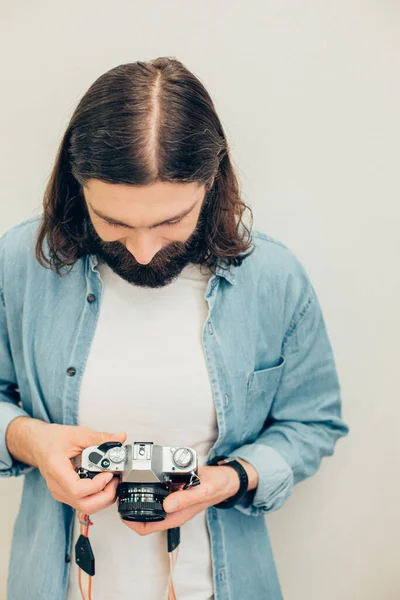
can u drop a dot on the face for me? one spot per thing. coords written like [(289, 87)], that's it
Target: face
[(145, 233)]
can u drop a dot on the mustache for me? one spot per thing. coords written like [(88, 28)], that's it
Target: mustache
[(172, 252), (123, 256)]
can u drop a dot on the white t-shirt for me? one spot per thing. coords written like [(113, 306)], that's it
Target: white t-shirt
[(146, 374)]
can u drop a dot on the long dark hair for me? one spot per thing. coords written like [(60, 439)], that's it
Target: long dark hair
[(138, 124)]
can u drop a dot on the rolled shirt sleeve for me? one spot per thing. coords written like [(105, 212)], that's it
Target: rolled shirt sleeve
[(9, 401), (304, 421)]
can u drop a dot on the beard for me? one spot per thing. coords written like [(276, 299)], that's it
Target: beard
[(165, 265)]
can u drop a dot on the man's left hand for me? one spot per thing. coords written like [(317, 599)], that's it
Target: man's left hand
[(218, 483)]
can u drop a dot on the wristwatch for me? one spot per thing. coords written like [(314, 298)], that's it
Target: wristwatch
[(231, 461)]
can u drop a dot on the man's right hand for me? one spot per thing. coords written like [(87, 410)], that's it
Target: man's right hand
[(50, 448)]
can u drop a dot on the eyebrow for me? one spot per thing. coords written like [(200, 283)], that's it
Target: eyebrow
[(117, 222)]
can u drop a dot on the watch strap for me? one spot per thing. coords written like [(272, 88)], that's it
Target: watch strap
[(243, 478)]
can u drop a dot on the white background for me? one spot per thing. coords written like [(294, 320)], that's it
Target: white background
[(308, 93)]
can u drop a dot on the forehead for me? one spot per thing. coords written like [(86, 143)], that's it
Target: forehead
[(118, 199)]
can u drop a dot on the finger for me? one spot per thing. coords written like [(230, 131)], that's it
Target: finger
[(172, 520), (70, 482), (88, 437), (88, 487), (100, 500), (136, 526), (114, 437), (183, 499), (150, 527)]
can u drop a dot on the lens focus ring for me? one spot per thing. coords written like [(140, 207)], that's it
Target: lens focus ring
[(141, 502)]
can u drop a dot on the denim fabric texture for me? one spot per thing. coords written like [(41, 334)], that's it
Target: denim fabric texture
[(274, 382)]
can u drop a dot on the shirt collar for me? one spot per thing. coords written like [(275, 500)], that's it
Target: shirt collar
[(227, 271)]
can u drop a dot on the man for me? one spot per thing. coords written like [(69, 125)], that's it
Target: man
[(152, 321)]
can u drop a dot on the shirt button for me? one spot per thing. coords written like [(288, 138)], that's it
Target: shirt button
[(67, 558), (71, 371), (210, 327), (91, 298)]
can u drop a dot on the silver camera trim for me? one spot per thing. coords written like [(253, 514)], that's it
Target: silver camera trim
[(145, 462)]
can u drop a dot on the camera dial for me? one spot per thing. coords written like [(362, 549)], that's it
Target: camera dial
[(182, 457), (117, 455)]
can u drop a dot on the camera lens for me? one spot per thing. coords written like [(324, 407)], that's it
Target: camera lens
[(141, 501)]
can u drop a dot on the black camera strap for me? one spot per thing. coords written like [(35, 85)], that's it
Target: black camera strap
[(84, 557), (174, 538)]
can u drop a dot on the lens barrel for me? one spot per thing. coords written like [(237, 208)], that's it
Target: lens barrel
[(141, 501)]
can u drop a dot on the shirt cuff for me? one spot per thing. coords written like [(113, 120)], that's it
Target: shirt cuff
[(9, 467), (275, 479)]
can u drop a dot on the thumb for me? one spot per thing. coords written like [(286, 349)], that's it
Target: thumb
[(95, 438), (112, 437)]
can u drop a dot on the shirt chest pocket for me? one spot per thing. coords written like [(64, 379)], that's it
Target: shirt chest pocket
[(261, 389)]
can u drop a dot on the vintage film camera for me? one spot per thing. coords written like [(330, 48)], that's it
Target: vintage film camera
[(148, 473)]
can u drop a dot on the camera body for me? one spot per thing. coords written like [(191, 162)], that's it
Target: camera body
[(148, 473)]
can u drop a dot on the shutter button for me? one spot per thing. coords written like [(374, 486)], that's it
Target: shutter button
[(91, 298), (71, 371)]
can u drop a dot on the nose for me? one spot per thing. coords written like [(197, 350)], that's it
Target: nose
[(143, 247)]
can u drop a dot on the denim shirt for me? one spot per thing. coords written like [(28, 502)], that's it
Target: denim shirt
[(274, 384)]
